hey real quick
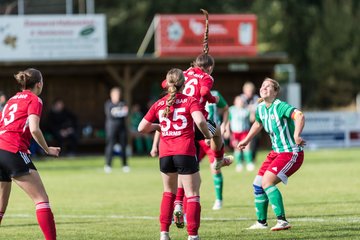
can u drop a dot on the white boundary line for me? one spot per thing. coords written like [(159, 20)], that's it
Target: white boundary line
[(304, 219)]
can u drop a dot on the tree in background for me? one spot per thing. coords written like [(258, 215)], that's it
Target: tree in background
[(334, 53), (321, 38)]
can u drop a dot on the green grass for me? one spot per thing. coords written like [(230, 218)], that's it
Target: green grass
[(321, 200)]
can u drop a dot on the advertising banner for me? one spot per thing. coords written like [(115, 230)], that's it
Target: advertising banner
[(332, 129), (229, 34), (52, 37)]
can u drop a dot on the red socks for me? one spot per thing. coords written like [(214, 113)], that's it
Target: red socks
[(166, 211), (179, 196), (46, 220), (193, 215), (181, 199), (219, 154), (184, 204)]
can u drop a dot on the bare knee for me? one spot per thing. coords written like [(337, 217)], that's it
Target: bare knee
[(269, 179)]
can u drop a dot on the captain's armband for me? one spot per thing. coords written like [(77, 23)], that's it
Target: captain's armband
[(296, 113)]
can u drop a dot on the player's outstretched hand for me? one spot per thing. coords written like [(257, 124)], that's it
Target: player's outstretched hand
[(242, 144), (54, 151)]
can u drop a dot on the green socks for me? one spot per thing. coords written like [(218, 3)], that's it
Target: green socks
[(247, 156), (238, 157), (275, 200), (218, 183), (242, 155), (261, 206)]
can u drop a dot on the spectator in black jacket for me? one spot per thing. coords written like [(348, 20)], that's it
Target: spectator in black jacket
[(116, 112), (62, 125)]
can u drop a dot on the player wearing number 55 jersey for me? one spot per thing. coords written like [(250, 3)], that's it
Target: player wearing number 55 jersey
[(19, 122), (177, 130), (177, 114)]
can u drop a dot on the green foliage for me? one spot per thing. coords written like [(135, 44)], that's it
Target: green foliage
[(321, 37), (334, 53), (321, 201), (322, 40)]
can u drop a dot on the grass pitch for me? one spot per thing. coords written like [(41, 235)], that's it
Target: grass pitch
[(321, 201)]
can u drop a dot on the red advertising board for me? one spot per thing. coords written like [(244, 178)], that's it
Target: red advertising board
[(229, 34)]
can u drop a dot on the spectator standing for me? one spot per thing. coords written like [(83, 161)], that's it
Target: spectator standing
[(239, 126), (116, 113), (250, 99)]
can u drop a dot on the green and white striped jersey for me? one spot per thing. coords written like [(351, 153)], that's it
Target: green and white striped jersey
[(212, 108), (277, 122), (239, 119)]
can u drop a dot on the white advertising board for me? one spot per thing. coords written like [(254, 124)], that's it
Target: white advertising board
[(332, 129), (52, 37)]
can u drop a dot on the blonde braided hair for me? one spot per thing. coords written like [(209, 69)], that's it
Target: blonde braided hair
[(174, 80)]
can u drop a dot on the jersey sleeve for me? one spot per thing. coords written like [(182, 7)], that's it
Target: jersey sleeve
[(222, 102), (194, 105), (285, 110), (206, 85), (163, 84), (150, 116), (257, 115), (35, 106)]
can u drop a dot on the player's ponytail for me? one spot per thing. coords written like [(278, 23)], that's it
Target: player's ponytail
[(174, 80), (28, 78), (204, 60), (206, 32)]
